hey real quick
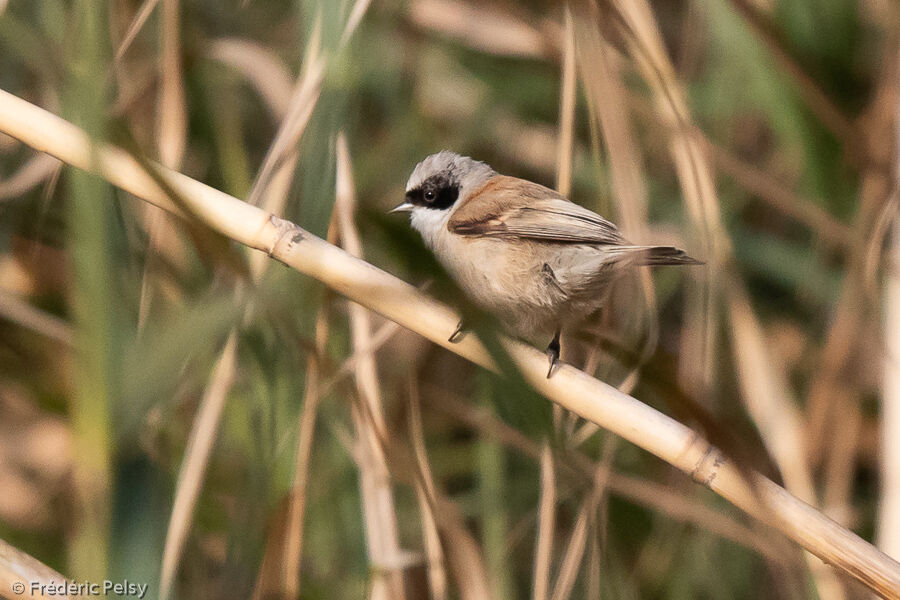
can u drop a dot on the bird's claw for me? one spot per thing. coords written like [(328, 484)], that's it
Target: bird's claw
[(457, 333), (554, 358), (553, 355)]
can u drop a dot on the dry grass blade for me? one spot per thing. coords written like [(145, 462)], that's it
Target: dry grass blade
[(889, 509), (279, 573), (607, 100), (139, 20), (767, 396), (19, 311), (482, 29), (872, 255), (571, 563), (377, 497), (196, 459), (818, 102), (425, 494), (19, 571), (36, 170), (641, 32), (171, 116), (651, 495), (836, 389), (260, 67), (171, 139), (804, 210), (396, 300), (543, 550), (568, 570), (203, 434), (379, 338), (568, 88), (356, 15), (283, 150), (306, 428), (464, 557)]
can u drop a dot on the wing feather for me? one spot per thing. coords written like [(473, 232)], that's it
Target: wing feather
[(512, 207)]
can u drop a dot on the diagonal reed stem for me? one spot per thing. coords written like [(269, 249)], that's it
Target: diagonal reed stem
[(383, 293)]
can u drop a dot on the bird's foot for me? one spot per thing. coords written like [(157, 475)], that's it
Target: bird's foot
[(457, 334)]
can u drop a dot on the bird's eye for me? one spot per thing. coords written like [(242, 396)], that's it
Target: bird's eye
[(430, 195)]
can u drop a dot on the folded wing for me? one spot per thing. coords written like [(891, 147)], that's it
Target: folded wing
[(511, 207)]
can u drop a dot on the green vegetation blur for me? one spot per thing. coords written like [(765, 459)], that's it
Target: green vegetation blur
[(113, 316)]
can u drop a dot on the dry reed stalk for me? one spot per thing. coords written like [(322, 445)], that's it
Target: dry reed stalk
[(880, 231), (32, 173), (571, 563), (464, 557), (171, 116), (425, 494), (607, 100), (889, 504), (595, 569), (840, 465), (171, 140), (816, 99), (481, 28), (567, 90), (546, 524), (354, 19), (836, 377), (543, 548), (650, 495), (306, 429), (196, 459), (889, 509), (396, 300), (282, 153), (638, 27), (137, 24), (20, 569), (825, 226), (24, 314), (697, 184), (379, 338), (805, 211), (279, 572), (262, 69), (273, 192), (768, 399), (379, 515)]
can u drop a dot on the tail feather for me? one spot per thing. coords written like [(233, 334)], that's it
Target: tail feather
[(653, 256)]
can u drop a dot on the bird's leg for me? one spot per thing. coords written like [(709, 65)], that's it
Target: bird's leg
[(457, 333), (553, 352)]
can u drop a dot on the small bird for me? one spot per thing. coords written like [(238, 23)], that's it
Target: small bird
[(519, 250)]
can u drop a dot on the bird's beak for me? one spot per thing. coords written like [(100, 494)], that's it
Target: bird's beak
[(405, 207)]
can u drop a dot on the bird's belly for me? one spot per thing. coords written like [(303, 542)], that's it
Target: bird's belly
[(511, 285)]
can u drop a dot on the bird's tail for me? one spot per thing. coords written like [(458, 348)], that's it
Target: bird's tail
[(653, 256)]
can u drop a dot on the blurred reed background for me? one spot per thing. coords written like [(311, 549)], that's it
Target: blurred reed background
[(177, 412)]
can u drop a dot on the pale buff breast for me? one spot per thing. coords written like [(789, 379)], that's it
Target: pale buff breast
[(510, 283)]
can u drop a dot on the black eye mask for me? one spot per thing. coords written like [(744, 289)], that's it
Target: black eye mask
[(435, 192)]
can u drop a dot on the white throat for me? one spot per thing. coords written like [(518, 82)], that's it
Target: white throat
[(430, 223)]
